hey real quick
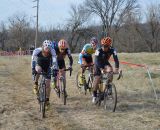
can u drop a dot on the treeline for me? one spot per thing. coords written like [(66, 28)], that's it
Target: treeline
[(130, 29)]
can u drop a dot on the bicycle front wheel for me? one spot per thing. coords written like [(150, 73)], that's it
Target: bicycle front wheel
[(63, 91), (42, 98), (110, 98)]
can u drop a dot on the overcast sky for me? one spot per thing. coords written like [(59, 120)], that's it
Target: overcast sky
[(51, 12)]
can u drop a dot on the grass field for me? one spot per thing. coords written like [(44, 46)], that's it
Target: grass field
[(137, 108)]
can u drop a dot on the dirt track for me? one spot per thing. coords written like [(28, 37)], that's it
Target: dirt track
[(19, 109)]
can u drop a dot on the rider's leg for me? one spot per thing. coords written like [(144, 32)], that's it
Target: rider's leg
[(96, 81), (82, 77), (35, 86), (81, 62), (39, 70)]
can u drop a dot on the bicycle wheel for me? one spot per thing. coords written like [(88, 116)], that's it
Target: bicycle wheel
[(63, 91), (42, 98), (110, 98)]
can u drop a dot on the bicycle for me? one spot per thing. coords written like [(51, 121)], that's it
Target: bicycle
[(108, 94), (41, 96), (87, 85), (61, 89)]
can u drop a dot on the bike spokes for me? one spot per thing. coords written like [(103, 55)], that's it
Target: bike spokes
[(110, 98), (63, 91), (42, 99)]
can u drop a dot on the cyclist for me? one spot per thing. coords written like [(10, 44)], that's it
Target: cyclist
[(102, 65), (62, 49), (41, 61), (85, 57)]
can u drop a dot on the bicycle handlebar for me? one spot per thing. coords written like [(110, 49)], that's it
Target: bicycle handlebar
[(68, 69), (119, 74)]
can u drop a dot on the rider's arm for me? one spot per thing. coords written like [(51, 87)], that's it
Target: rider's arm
[(70, 57), (115, 57), (34, 57)]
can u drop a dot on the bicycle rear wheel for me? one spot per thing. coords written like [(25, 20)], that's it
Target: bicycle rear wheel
[(42, 98), (110, 98), (63, 91)]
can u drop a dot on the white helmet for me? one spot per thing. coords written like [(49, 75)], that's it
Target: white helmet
[(47, 44)]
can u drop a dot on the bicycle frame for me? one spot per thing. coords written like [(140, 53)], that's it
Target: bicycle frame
[(62, 86), (109, 92), (90, 78), (60, 78)]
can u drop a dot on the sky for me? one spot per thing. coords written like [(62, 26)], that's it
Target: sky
[(51, 12)]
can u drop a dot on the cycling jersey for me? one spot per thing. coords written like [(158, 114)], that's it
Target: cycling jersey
[(86, 53), (62, 55), (87, 49), (102, 58), (44, 62)]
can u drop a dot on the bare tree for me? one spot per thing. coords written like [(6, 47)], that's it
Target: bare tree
[(150, 32), (3, 35), (19, 28), (78, 17), (111, 12), (127, 39)]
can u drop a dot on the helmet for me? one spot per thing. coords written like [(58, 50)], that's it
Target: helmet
[(62, 44), (94, 40), (53, 44), (47, 44), (106, 41)]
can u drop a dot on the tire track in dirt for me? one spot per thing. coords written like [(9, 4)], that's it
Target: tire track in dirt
[(18, 106), (25, 108)]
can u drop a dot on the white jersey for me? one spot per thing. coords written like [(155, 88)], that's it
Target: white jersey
[(35, 56)]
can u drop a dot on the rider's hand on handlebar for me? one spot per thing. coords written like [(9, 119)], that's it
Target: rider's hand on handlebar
[(34, 72)]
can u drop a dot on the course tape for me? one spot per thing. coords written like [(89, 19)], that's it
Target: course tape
[(131, 64)]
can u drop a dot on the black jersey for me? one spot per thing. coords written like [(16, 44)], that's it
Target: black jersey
[(102, 57)]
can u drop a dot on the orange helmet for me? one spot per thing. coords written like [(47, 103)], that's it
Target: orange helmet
[(62, 44), (106, 41)]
